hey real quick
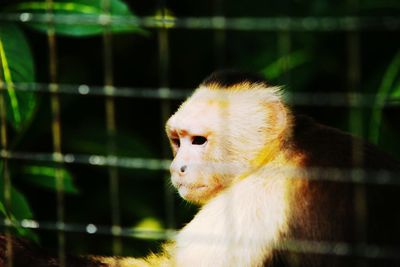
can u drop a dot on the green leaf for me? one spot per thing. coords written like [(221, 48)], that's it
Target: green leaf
[(389, 78), (20, 210), (28, 233), (25, 232), (150, 223), (45, 177), (78, 12), (284, 64), (19, 205), (16, 67), (3, 209), (395, 93), (149, 228)]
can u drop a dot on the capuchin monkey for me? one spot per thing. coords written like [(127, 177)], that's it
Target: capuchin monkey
[(275, 188)]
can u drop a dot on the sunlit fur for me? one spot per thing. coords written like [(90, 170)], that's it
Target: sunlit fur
[(250, 174), (163, 259), (243, 128), (235, 176), (247, 196)]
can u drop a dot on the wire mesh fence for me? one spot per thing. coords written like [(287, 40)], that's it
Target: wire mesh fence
[(46, 16)]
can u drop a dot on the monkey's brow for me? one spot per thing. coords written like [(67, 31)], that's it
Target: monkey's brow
[(172, 131), (183, 132), (187, 132)]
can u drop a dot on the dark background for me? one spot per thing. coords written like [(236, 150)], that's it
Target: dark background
[(193, 54)]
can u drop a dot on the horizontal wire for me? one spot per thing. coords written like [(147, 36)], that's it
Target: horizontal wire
[(351, 175), (370, 251), (83, 89), (91, 228), (344, 23), (241, 24), (95, 160), (317, 99)]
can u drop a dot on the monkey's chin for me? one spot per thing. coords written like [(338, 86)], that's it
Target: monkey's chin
[(195, 194)]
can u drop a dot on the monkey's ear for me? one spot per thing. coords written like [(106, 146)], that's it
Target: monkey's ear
[(278, 118)]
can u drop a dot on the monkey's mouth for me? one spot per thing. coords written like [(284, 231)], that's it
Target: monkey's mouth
[(195, 193), (190, 186)]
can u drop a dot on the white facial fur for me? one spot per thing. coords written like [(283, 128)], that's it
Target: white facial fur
[(231, 125), (196, 170)]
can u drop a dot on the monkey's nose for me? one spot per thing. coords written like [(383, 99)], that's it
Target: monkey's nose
[(183, 169)]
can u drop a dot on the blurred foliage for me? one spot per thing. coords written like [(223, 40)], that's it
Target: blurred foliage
[(17, 66), (387, 91), (285, 64), (82, 8), (44, 177), (300, 61), (19, 208)]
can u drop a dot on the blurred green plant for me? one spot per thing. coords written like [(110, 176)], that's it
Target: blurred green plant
[(17, 66), (284, 64), (150, 228), (19, 206), (388, 91), (43, 176), (70, 9)]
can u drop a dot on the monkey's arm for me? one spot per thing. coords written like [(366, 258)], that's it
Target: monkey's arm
[(238, 227), (162, 259), (27, 254)]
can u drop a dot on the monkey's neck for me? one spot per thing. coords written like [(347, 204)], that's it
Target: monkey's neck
[(276, 149), (268, 154), (272, 154)]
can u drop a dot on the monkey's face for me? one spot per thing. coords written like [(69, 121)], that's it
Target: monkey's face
[(201, 167), (217, 136)]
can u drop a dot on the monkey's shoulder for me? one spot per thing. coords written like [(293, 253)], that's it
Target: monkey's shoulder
[(325, 146)]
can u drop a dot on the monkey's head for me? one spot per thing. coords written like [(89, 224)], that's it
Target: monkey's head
[(229, 127)]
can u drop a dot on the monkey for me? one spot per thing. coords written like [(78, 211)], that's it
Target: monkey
[(264, 176), (245, 156), (248, 160)]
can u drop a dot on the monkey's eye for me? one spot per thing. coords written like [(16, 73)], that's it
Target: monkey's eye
[(176, 141), (199, 140)]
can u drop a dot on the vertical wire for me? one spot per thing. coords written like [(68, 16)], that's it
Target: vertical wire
[(356, 127), (56, 133), (111, 131), (163, 69), (219, 37), (220, 61), (284, 48), (6, 173)]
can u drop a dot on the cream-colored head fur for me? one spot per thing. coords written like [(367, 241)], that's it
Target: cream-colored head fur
[(243, 125)]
